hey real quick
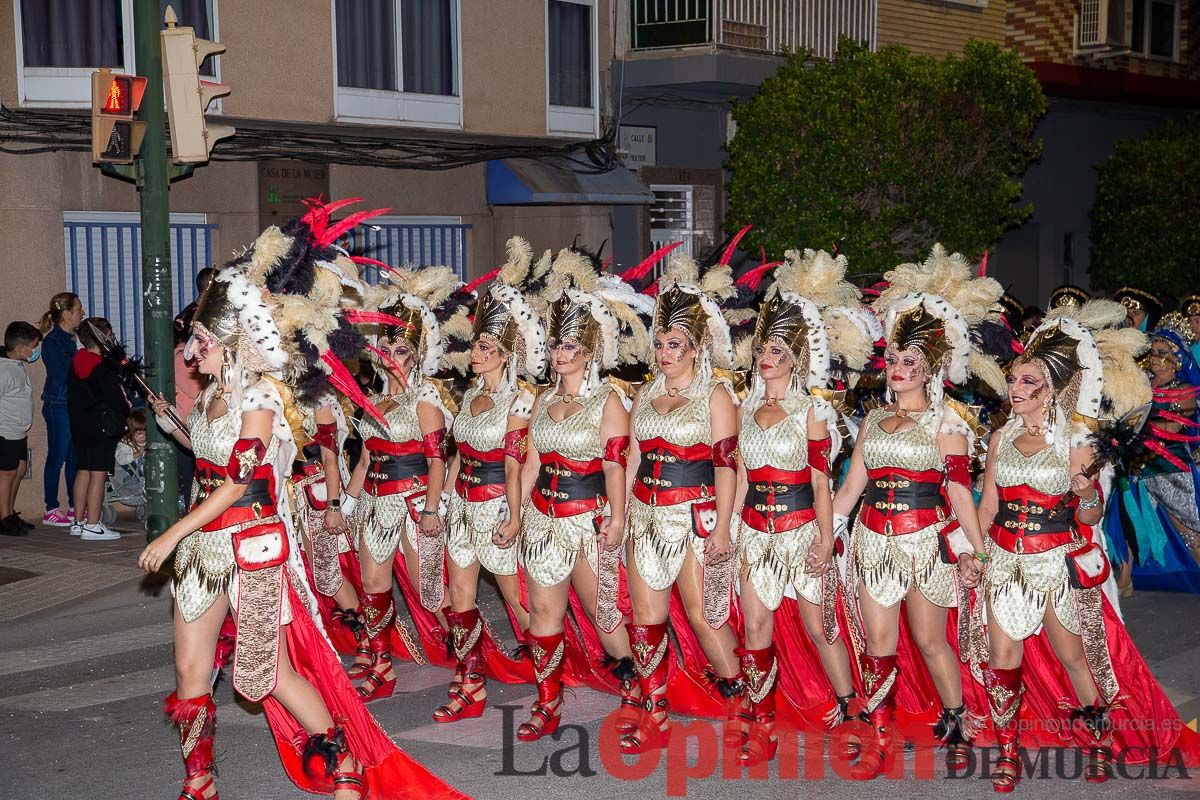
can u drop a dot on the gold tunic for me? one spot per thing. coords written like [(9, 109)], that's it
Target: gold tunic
[(550, 546), (204, 563), (1018, 586), (775, 561), (471, 524), (381, 521), (660, 534), (888, 566)]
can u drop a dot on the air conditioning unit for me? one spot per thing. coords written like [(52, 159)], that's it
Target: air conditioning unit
[(1100, 26)]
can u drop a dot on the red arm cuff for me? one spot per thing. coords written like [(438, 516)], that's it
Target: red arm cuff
[(327, 436), (818, 454), (616, 450), (433, 445), (516, 444), (958, 470), (247, 455), (724, 453)]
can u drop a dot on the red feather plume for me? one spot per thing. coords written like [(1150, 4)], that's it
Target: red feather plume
[(341, 379), (482, 279), (647, 263), (733, 243)]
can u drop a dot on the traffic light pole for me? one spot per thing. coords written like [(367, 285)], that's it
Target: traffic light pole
[(162, 482)]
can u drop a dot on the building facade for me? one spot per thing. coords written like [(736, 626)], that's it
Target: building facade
[(454, 76)]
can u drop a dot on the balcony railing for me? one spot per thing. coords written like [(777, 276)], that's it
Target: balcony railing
[(766, 26)]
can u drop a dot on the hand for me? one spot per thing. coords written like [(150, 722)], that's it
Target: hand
[(506, 534), (159, 404), (431, 524), (156, 553), (612, 531), (970, 570), (1083, 487), (335, 521), (820, 557), (718, 546)]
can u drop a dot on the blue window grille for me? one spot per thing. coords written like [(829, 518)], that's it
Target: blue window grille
[(410, 244), (104, 267)]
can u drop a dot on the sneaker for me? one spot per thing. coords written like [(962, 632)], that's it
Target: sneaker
[(98, 533), (7, 528), (26, 526), (56, 519), (76, 529)]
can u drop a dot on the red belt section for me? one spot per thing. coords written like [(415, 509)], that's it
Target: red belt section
[(567, 508), (237, 514), (1017, 540), (772, 522), (411, 447), (891, 522), (481, 492), (386, 488), (653, 496)]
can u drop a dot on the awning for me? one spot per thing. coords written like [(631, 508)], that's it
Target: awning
[(525, 181)]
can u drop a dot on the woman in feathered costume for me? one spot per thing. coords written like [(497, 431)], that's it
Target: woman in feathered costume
[(1047, 615), (508, 345), (236, 550), (683, 471), (573, 524), (1157, 504), (912, 460), (397, 483), (789, 437)]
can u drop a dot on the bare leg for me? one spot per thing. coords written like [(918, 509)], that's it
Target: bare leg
[(834, 657), (759, 620), (928, 623), (616, 643), (1069, 649), (81, 496), (718, 645), (881, 624), (650, 607), (510, 588), (1004, 652), (195, 650), (464, 585), (7, 494), (547, 607), (16, 485), (95, 495), (345, 596)]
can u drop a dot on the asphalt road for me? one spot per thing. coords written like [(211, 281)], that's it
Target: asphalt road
[(82, 682)]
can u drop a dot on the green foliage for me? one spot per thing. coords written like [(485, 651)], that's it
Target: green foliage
[(1146, 216), (885, 153)]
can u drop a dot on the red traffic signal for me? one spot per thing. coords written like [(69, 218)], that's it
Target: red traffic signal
[(116, 134), (123, 95)]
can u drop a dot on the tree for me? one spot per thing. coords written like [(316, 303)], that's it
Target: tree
[(885, 153), (1146, 216)]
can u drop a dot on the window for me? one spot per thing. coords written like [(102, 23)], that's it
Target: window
[(571, 67), (60, 43), (1156, 28), (397, 61), (672, 218), (104, 265), (423, 241)]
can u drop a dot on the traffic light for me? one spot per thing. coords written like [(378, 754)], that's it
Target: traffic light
[(188, 96), (116, 134)]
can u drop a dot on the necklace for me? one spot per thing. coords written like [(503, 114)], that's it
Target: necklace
[(772, 401), (1034, 430), (901, 412), (567, 399), (672, 391)]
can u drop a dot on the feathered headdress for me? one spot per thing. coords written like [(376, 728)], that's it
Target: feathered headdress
[(505, 315), (406, 307)]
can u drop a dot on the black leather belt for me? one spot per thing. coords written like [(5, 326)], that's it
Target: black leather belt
[(767, 497), (1032, 519), (901, 494), (257, 491), (662, 470), (559, 484), (481, 473), (385, 467)]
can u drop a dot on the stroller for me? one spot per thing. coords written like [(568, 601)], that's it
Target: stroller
[(126, 486)]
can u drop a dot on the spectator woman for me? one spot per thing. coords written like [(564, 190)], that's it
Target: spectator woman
[(59, 325)]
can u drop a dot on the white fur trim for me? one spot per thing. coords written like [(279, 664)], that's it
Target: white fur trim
[(255, 318), (825, 412), (522, 405), (818, 341), (959, 543), (1091, 563), (957, 332), (431, 360), (529, 326), (428, 393)]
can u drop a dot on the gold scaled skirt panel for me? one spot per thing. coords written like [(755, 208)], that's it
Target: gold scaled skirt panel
[(470, 527)]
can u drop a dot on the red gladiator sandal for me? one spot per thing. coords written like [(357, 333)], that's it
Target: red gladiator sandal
[(650, 645), (630, 710), (1004, 692), (468, 692), (328, 754), (196, 719), (546, 652), (879, 676), (848, 711), (364, 659), (761, 671), (954, 731), (379, 609), (1096, 721)]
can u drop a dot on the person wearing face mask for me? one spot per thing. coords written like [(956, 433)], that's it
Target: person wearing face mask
[(22, 345), (257, 335), (1157, 510), (59, 325), (573, 525), (916, 537), (1052, 627), (491, 435), (396, 487), (789, 438), (683, 476)]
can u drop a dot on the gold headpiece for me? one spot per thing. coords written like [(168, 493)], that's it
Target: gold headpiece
[(412, 330), (679, 309), (1190, 305), (217, 315), (567, 319), (919, 329), (1058, 352), (1068, 296), (1138, 300), (493, 318), (783, 320)]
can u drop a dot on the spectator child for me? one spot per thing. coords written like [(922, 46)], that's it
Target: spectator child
[(98, 411), (129, 478), (22, 345)]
